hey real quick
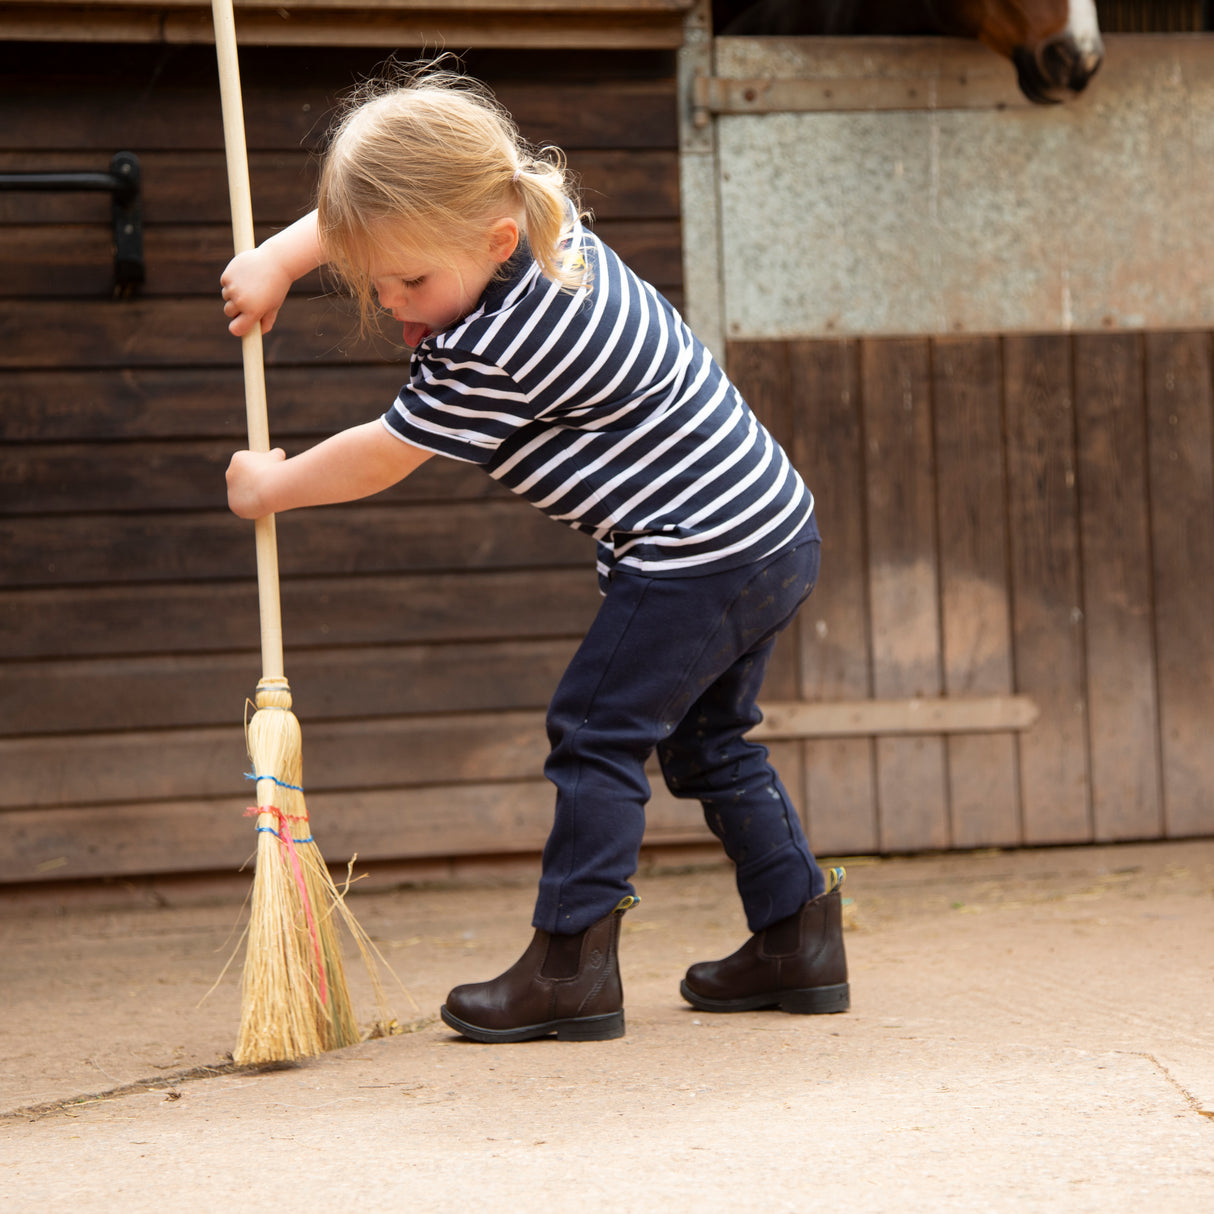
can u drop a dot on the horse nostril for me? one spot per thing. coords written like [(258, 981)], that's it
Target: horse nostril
[(1058, 58), (1065, 64)]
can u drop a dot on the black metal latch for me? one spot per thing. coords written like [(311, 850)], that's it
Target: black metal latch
[(122, 182)]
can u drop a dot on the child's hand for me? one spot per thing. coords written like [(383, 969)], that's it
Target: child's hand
[(255, 284), (248, 477)]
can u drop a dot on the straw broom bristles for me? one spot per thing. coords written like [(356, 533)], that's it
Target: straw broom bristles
[(295, 1001)]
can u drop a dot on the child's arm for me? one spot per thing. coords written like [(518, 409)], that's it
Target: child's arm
[(352, 464), (256, 282)]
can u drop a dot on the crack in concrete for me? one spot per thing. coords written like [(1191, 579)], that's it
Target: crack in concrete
[(1194, 1104), (160, 1083)]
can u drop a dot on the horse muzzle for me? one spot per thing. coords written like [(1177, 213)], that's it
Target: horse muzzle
[(1059, 65)]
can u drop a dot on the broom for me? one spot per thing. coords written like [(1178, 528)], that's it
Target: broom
[(295, 1002)]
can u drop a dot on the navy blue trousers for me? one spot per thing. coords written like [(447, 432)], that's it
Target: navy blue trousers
[(676, 665)]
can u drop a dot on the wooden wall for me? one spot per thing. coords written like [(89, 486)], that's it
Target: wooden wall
[(1029, 514), (424, 629)]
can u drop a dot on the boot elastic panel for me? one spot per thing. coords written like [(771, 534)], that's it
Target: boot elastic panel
[(563, 957)]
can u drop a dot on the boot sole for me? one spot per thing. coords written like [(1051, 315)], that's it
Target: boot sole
[(584, 1028), (812, 1001)]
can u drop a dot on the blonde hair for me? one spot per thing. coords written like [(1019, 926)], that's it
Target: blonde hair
[(430, 161)]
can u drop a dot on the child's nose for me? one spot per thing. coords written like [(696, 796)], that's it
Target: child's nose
[(390, 296)]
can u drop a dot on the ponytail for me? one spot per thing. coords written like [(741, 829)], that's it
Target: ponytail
[(542, 185)]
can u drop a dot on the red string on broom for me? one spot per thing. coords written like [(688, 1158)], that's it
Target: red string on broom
[(287, 841)]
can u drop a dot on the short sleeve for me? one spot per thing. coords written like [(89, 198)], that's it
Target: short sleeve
[(458, 405)]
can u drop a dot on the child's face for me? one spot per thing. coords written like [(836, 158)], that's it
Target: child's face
[(428, 294)]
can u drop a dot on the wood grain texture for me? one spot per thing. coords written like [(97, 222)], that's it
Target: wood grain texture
[(975, 614), (1118, 623), (68, 623), (1002, 516), (836, 649), (1180, 447), (127, 602), (1047, 607), (899, 479)]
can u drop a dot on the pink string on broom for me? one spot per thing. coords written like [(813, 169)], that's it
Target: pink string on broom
[(284, 837)]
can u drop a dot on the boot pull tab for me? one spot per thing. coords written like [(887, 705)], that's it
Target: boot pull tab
[(625, 904)]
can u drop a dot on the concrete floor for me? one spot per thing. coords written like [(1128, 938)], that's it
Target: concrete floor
[(1030, 1031)]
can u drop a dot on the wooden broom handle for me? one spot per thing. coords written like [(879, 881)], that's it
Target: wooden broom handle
[(254, 367)]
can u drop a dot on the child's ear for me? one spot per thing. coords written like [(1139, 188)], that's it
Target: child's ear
[(503, 239)]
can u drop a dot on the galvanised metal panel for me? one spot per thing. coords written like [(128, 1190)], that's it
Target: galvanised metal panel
[(995, 216)]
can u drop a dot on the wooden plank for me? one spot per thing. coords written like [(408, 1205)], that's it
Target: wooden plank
[(650, 247), (975, 612), (210, 835), (887, 718), (929, 61), (117, 768), (636, 183), (44, 334), (177, 692), (899, 487), (214, 617), (149, 403), (486, 740), (1180, 445), (1047, 613), (210, 761), (288, 99), (836, 653), (191, 187), (355, 9), (194, 65), (127, 840), (960, 90), (338, 27), (760, 372), (77, 259), (1123, 717), (187, 259), (175, 187), (361, 734), (482, 8), (363, 539), (74, 478)]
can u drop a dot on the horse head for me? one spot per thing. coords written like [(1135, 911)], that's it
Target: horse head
[(1055, 45)]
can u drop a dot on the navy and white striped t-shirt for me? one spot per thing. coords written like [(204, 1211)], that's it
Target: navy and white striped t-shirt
[(603, 410)]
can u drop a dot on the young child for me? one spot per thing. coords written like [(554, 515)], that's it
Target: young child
[(538, 355)]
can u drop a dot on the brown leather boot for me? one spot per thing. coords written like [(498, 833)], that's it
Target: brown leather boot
[(797, 965), (567, 985)]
